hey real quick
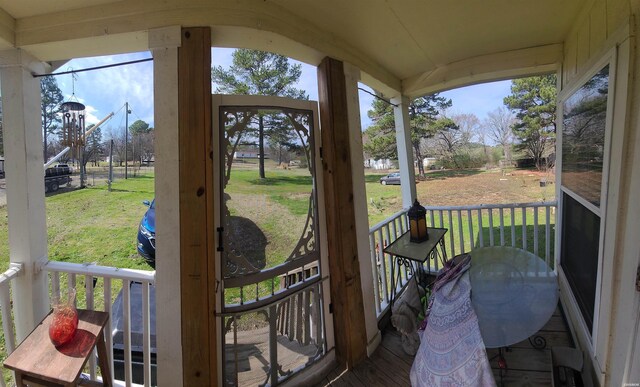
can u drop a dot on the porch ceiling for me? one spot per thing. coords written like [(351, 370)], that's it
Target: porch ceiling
[(401, 43)]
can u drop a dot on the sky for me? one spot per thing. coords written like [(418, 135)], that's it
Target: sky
[(107, 90)]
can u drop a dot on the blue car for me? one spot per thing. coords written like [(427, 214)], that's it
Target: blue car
[(147, 234)]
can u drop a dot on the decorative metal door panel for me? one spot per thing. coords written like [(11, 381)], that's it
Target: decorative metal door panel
[(272, 288)]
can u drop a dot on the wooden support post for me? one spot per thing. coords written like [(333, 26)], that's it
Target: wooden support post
[(405, 151), (164, 43), (196, 208), (352, 77), (344, 266), (25, 186)]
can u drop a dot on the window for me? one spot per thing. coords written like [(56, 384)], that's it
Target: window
[(583, 171)]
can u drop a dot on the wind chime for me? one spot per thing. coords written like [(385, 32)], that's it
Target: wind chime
[(73, 126)]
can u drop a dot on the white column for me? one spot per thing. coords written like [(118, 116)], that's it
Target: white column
[(22, 128), (352, 76), (405, 151), (164, 43)]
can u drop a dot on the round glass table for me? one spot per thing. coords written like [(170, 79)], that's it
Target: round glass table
[(513, 292)]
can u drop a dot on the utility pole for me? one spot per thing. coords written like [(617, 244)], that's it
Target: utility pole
[(110, 164), (126, 138)]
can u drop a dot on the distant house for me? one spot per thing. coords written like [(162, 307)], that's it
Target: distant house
[(429, 161), (378, 164), (245, 155)]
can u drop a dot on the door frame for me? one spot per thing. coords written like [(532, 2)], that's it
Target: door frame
[(219, 100)]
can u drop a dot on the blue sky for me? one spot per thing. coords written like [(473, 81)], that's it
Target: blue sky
[(107, 90)]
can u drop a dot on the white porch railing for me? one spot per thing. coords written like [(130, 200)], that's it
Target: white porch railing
[(6, 312), (529, 226), (97, 287)]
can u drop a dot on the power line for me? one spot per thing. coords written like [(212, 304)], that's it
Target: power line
[(378, 97), (93, 68)]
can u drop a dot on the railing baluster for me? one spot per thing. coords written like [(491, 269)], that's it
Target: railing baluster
[(273, 347), (393, 231), (376, 271), (461, 232), (433, 218), (7, 320), (491, 242), (318, 314), (471, 236), (71, 284), (88, 287), (480, 230), (107, 308), (383, 266), (55, 285), (513, 227), (451, 239), (535, 230), (126, 318), (524, 228), (501, 227), (146, 335), (391, 261), (307, 316), (547, 235)]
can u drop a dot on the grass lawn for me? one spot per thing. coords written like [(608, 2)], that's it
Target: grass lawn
[(93, 224)]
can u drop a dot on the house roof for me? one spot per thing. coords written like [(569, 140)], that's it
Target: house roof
[(410, 45)]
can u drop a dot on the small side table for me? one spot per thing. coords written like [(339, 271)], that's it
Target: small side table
[(407, 252), (37, 360)]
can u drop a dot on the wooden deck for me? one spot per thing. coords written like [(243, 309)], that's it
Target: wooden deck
[(390, 366)]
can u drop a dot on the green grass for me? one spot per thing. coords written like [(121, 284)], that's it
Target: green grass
[(91, 225)]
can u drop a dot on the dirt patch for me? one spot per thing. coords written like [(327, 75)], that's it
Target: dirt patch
[(490, 187)]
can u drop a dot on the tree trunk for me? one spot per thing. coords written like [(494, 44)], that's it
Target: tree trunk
[(44, 151), (416, 150), (261, 146)]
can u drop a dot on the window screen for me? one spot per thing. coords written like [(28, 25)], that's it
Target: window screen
[(579, 254)]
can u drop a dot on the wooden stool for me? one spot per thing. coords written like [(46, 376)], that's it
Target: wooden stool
[(37, 362)]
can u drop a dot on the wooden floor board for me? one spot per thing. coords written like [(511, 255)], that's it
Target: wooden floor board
[(389, 365)]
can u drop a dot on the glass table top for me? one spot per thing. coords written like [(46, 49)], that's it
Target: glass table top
[(513, 292)]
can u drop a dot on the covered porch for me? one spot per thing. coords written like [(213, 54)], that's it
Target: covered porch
[(383, 45)]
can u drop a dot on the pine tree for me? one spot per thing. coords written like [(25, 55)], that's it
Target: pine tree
[(256, 72)]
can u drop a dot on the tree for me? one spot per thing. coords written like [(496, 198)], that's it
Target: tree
[(256, 72), (51, 100), (498, 126), (533, 100), (94, 147), (139, 127), (146, 146), (118, 137), (138, 130), (425, 121)]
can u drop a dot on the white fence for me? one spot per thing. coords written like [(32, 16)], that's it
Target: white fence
[(529, 226)]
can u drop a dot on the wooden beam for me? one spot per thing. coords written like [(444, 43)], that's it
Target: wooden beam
[(196, 215), (485, 68), (344, 267)]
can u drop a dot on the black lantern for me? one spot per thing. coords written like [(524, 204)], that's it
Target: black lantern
[(417, 223)]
